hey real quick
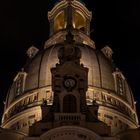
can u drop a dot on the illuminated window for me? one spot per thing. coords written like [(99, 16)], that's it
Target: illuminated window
[(79, 21), (59, 21)]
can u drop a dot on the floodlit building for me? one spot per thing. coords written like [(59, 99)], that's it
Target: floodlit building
[(70, 89)]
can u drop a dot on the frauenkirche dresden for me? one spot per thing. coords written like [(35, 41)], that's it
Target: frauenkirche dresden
[(70, 90)]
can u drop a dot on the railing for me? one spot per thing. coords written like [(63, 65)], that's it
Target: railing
[(69, 117)]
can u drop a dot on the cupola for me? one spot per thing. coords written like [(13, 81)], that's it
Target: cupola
[(69, 14)]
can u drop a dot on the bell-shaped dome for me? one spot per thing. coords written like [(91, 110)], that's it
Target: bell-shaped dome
[(106, 84)]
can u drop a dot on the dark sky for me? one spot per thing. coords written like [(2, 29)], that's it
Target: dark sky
[(24, 23)]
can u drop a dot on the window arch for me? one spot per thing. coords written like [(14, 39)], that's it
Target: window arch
[(59, 21), (79, 21)]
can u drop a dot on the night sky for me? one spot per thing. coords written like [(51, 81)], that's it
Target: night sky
[(24, 23)]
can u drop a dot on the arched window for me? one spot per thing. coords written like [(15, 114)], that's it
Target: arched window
[(59, 21), (79, 22), (69, 104)]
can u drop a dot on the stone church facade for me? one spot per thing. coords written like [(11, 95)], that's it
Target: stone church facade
[(70, 90)]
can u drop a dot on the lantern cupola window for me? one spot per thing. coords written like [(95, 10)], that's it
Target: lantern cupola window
[(69, 14), (79, 21)]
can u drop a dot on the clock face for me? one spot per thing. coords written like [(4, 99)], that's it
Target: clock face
[(69, 82)]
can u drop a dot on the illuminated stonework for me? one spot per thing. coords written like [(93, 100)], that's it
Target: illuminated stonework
[(120, 108), (59, 22), (60, 16), (107, 85), (79, 22)]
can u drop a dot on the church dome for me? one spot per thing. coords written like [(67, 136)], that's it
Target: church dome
[(106, 83), (104, 86), (39, 75)]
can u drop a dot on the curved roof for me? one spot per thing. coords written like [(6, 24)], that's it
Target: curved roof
[(100, 71)]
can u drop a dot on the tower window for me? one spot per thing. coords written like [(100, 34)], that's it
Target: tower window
[(79, 21), (59, 21)]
